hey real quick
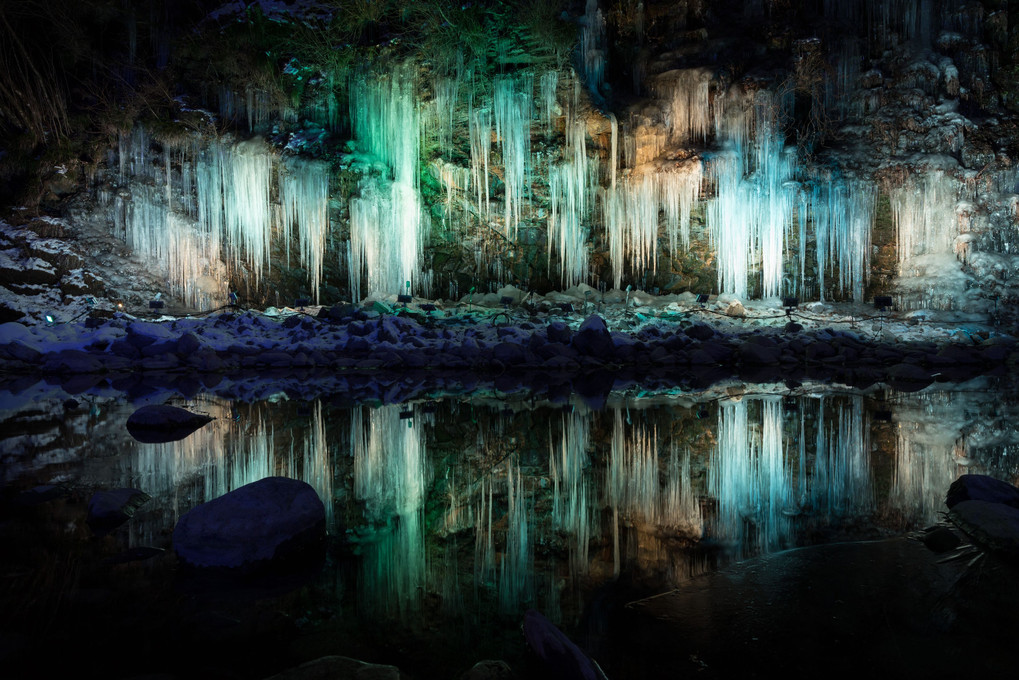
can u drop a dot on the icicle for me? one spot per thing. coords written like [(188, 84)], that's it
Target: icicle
[(688, 110), (388, 220), (512, 113), (571, 186), (247, 179), (592, 46), (481, 148), (549, 107), (304, 195)]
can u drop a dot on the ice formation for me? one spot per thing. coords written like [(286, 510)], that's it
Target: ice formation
[(512, 101), (388, 222)]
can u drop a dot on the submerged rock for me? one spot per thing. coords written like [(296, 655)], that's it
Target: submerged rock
[(561, 657), (332, 667), (273, 520), (107, 510), (489, 670), (162, 423), (993, 525)]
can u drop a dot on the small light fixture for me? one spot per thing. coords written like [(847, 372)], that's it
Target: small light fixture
[(49, 318), (790, 303), (702, 299), (156, 303), (506, 300), (301, 303), (233, 298), (404, 298)]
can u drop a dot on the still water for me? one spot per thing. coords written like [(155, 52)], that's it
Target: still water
[(449, 517)]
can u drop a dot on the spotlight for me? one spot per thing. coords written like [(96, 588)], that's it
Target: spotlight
[(506, 300), (49, 318), (406, 415), (301, 303), (90, 302), (566, 307), (702, 299), (155, 304), (427, 307), (233, 298), (882, 302), (404, 298)]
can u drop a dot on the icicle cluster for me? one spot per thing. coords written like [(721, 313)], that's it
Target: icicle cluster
[(388, 223)]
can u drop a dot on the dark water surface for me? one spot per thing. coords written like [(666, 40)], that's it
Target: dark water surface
[(731, 532)]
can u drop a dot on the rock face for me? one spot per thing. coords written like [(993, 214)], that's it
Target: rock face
[(163, 423), (107, 510), (270, 522), (561, 657), (993, 525)]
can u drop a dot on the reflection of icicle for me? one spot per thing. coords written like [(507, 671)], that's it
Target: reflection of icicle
[(515, 578), (316, 468), (680, 509), (842, 485), (748, 477), (571, 510), (923, 472), (390, 476)]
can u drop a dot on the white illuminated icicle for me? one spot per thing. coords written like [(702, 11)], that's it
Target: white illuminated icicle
[(686, 94), (388, 224), (549, 83), (843, 215), (304, 195), (572, 185), (247, 178), (512, 104), (481, 150)]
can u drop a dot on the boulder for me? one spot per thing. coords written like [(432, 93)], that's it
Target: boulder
[(489, 669), (107, 510), (163, 423), (981, 488), (334, 667), (593, 338), (994, 526), (270, 522), (558, 654)]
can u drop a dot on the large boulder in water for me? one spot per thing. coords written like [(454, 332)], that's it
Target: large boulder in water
[(107, 510), (164, 423), (560, 656), (982, 488), (270, 522)]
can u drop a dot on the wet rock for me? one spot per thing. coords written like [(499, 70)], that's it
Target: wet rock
[(509, 354), (489, 670), (700, 331), (940, 539), (994, 526), (107, 510), (21, 352), (909, 373), (558, 654), (755, 354), (275, 520), (163, 423), (334, 667), (559, 332), (593, 338), (982, 488)]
